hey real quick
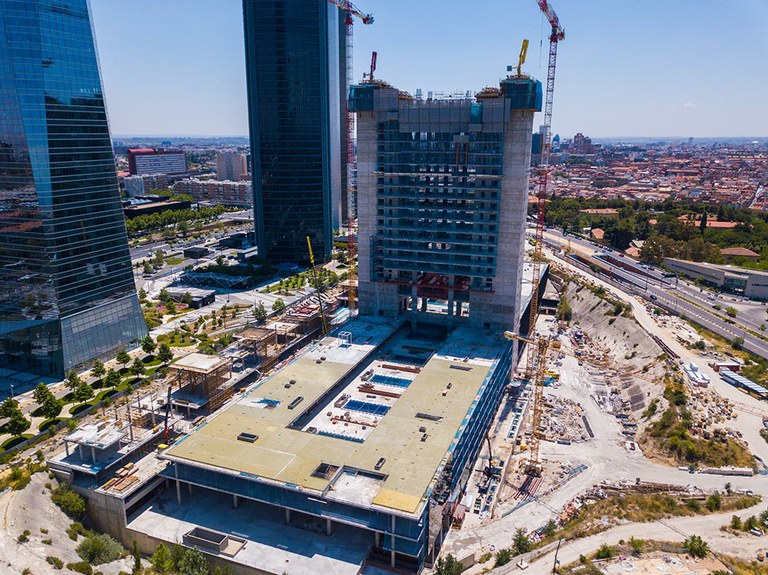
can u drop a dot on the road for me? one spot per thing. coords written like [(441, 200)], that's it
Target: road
[(679, 300)]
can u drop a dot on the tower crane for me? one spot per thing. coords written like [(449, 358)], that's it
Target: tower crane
[(351, 11), (537, 349)]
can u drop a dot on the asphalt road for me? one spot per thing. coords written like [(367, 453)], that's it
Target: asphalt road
[(679, 300)]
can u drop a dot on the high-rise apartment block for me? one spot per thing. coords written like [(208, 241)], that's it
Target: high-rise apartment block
[(143, 161), (215, 192), (293, 68), (231, 166), (442, 198), (67, 294)]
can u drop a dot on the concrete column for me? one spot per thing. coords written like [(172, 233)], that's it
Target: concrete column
[(424, 304), (66, 447), (93, 454), (235, 501), (377, 538), (178, 485), (328, 526), (80, 451), (392, 551), (189, 485), (287, 515), (451, 295)]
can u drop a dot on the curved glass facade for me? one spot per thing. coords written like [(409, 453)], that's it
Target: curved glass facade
[(67, 294), (287, 70)]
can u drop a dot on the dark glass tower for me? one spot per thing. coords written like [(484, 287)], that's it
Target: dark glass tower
[(67, 294), (292, 67)]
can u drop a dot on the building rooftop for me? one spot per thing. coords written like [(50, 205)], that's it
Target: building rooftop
[(402, 451), (200, 362)]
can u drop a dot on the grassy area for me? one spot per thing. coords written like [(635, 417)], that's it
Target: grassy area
[(49, 423), (670, 436), (13, 441), (743, 567), (634, 507), (175, 260)]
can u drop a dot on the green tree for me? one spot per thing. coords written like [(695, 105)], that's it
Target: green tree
[(503, 556), (164, 353), (41, 393), (97, 549), (123, 357), (737, 343), (51, 407), (696, 546), (164, 296), (170, 307), (564, 311), (703, 223), (177, 554), (260, 312), (73, 380), (161, 559), (142, 294), (159, 259), (98, 369), (183, 228), (448, 565), (136, 558), (193, 563), (731, 311), (604, 552), (71, 503), (714, 502), (17, 424), (147, 270), (187, 298), (9, 408), (219, 260), (637, 545), (137, 367), (84, 392), (148, 344), (736, 523), (278, 306), (521, 543), (112, 379)]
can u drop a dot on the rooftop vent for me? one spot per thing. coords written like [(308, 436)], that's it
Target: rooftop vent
[(249, 437), (461, 367), (429, 416), (380, 463), (295, 402)]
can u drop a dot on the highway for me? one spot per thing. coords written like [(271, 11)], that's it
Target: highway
[(678, 296)]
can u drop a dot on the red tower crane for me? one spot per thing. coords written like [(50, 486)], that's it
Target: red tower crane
[(537, 350)]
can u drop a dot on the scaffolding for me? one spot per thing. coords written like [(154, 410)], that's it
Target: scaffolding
[(201, 381)]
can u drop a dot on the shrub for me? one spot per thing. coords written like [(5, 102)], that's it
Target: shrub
[(98, 549), (193, 563), (696, 546), (604, 552), (448, 566), (24, 537), (55, 562), (71, 503), (76, 529), (503, 556), (161, 559), (80, 567), (714, 502)]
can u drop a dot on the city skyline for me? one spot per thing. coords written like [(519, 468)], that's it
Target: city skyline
[(602, 67)]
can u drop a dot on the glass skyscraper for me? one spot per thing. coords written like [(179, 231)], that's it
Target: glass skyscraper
[(67, 294), (293, 68)]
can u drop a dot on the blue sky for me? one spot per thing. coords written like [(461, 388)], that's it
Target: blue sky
[(626, 68)]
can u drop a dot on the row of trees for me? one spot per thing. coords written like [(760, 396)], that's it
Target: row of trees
[(660, 223), (152, 222)]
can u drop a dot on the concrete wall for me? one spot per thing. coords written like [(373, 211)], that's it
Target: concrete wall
[(695, 270)]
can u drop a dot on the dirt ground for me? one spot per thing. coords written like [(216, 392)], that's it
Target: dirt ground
[(32, 509)]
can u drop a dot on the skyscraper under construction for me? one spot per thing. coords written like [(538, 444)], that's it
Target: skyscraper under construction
[(442, 199)]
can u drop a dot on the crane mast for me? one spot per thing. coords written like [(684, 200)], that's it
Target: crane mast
[(351, 11), (537, 349)]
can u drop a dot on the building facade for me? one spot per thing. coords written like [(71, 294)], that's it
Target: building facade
[(67, 294), (231, 166), (442, 197), (146, 184), (292, 70), (226, 193), (143, 161)]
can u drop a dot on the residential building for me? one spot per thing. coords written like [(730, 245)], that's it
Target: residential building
[(67, 294), (442, 197), (148, 183), (231, 166), (293, 57), (143, 161), (215, 192)]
